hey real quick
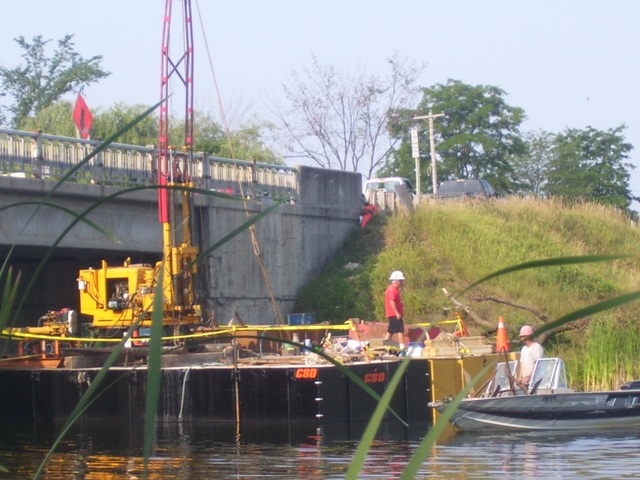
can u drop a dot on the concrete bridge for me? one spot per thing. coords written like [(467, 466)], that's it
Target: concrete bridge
[(295, 241)]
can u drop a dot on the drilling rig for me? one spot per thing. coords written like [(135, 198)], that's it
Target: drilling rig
[(114, 297)]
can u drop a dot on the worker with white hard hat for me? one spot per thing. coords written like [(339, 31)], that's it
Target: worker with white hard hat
[(531, 352), (393, 309)]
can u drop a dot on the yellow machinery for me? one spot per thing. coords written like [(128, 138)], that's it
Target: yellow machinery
[(61, 323), (116, 296)]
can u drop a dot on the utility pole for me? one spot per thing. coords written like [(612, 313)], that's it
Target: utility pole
[(415, 150), (434, 175)]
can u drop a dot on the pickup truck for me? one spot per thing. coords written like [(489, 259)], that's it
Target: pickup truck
[(465, 187)]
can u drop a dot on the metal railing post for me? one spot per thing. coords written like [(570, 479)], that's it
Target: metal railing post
[(38, 164)]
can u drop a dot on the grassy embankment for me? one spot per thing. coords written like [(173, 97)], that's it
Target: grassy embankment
[(451, 245)]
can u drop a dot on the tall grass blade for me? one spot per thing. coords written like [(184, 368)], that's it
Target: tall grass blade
[(344, 370), (68, 211), (81, 217), (155, 344), (353, 473), (590, 310), (78, 217), (550, 262), (102, 146), (420, 455), (154, 364), (88, 397), (8, 296), (8, 299), (235, 232)]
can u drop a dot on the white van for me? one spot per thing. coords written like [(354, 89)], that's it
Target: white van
[(387, 184)]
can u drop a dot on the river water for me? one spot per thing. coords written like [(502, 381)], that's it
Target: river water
[(206, 451)]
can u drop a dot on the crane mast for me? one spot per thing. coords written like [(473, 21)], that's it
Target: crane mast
[(174, 168)]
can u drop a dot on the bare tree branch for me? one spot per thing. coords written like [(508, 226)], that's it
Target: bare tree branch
[(466, 309), (340, 121), (489, 298), (539, 315)]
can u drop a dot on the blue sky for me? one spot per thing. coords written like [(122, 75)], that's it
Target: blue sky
[(568, 64)]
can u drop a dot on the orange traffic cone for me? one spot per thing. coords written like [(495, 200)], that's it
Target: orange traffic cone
[(502, 343), (136, 343)]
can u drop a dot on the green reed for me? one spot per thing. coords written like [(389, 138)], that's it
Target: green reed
[(611, 353)]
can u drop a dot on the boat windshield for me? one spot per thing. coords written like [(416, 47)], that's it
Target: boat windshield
[(548, 373), (500, 381)]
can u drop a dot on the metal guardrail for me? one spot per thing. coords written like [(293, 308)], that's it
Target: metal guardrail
[(42, 156)]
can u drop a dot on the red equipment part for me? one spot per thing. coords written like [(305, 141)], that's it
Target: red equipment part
[(180, 66)]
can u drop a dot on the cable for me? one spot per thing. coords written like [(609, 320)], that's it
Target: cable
[(254, 239)]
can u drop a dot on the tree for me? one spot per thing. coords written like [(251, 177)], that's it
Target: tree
[(3, 117), (337, 121), (247, 143), (591, 165), (56, 119), (476, 138), (244, 143), (44, 79), (106, 123), (531, 167)]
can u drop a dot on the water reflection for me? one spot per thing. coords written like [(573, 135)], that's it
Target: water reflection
[(203, 451), (571, 454)]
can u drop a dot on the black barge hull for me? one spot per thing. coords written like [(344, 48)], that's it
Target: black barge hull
[(307, 394)]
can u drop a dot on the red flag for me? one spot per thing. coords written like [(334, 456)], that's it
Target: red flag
[(82, 117)]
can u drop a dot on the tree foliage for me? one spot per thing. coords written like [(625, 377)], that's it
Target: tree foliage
[(56, 119), (111, 120), (591, 165), (532, 166), (476, 138), (338, 121), (247, 143), (243, 143), (43, 79)]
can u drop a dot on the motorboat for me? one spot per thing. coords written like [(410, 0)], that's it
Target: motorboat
[(546, 403)]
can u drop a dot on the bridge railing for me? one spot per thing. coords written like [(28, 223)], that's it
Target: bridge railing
[(38, 155)]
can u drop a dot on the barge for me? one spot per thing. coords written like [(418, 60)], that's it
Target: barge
[(243, 374)]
